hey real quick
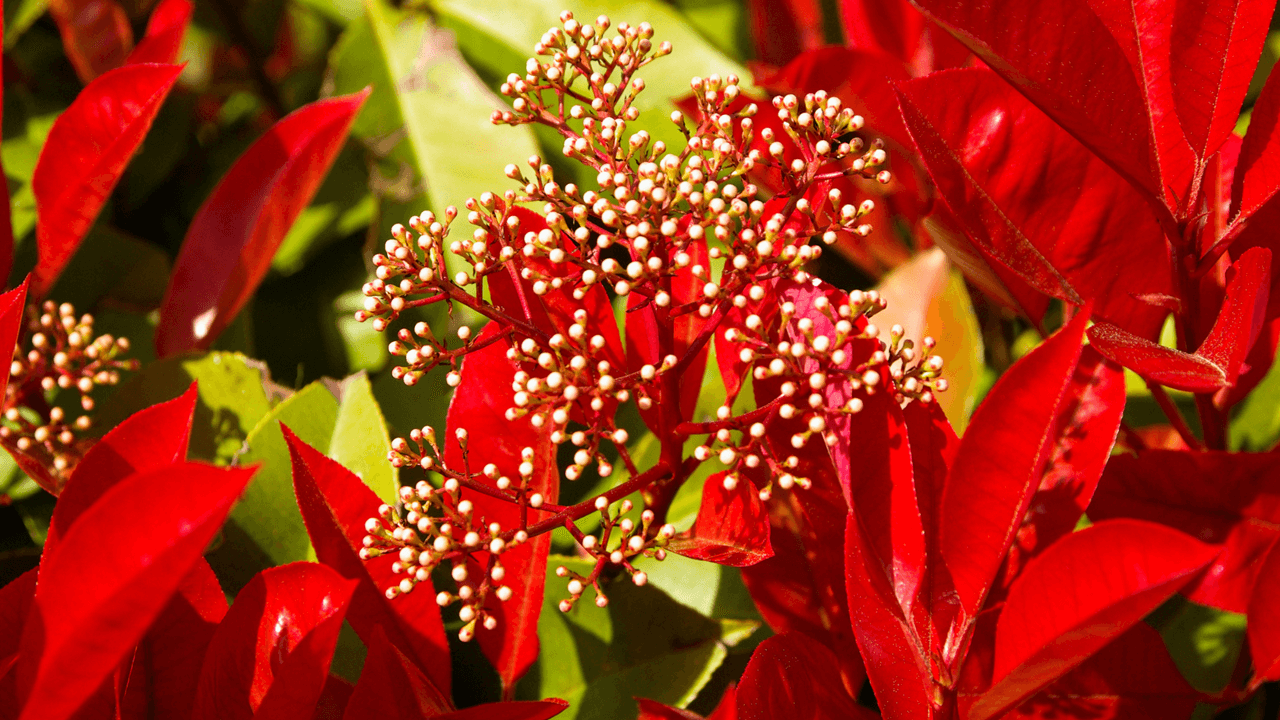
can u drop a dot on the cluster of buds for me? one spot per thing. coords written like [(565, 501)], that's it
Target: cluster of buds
[(433, 526), (57, 351), (684, 237)]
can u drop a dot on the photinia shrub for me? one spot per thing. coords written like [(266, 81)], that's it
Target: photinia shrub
[(635, 442)]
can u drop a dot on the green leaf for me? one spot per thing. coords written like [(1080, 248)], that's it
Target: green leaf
[(643, 644), (519, 24), (365, 347), (1205, 642), (1255, 424), (714, 591), (112, 263), (722, 22), (18, 16), (268, 512), (360, 439), (232, 393), (428, 106)]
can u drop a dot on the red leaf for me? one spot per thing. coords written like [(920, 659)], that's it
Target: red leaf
[(1257, 177), (335, 506), (1068, 61), (1058, 217), (16, 600), (1132, 677), (95, 34), (1214, 50), (1171, 368), (732, 526), (1243, 311), (1081, 593), (150, 439), (802, 586), (1001, 460), (794, 676), (896, 29), (235, 233), (1232, 499), (898, 674), (87, 150), (269, 657), (654, 710), (392, 687), (782, 29), (884, 499), (479, 407), (1217, 362), (13, 304), (1084, 434), (1264, 619), (727, 708), (165, 29), (175, 644), (143, 535)]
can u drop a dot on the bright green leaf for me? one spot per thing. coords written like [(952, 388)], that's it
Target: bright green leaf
[(424, 93), (1255, 425), (360, 439), (268, 511), (1205, 642), (232, 399)]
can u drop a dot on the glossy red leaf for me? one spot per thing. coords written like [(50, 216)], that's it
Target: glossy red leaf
[(174, 647), (1217, 362), (1214, 49), (884, 498), (1073, 64), (1082, 592), (1132, 677), (732, 527), (335, 506), (802, 586), (13, 305), (151, 438), (143, 535), (269, 657), (234, 235), (393, 687), (479, 407), (16, 600), (782, 29), (165, 29), (1084, 434), (1171, 368), (1057, 216), (898, 674), (794, 676), (1243, 312), (1257, 177), (897, 29), (84, 156), (1001, 461), (1231, 499), (1264, 619), (95, 35)]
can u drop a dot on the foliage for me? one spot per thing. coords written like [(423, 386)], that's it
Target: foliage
[(895, 359)]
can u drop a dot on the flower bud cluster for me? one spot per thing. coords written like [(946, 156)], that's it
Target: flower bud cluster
[(684, 235), (57, 351), (619, 542), (432, 527)]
